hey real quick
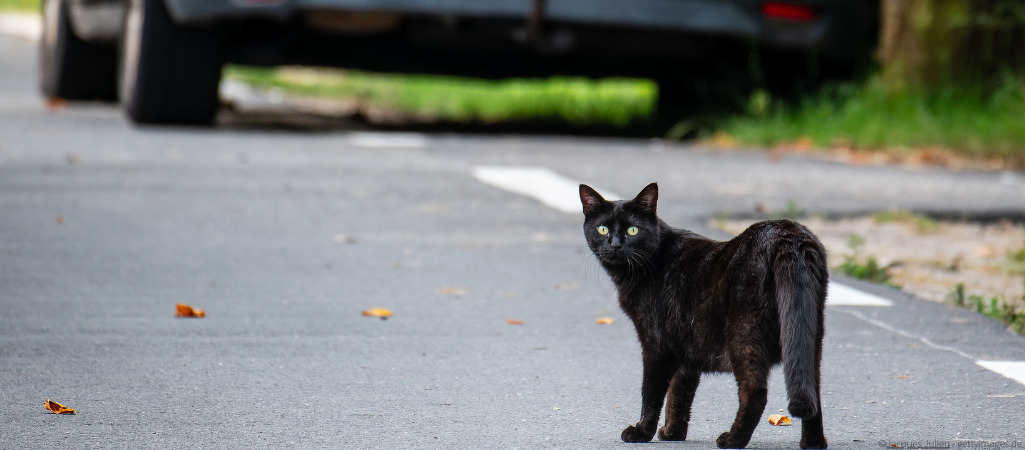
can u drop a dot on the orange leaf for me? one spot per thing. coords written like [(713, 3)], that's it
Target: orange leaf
[(187, 311), (56, 104), (605, 321), (377, 312), (58, 408), (779, 420), (514, 321)]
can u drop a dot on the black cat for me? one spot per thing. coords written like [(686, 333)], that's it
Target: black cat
[(701, 305)]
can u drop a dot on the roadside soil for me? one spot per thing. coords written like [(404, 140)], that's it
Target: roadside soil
[(928, 260)]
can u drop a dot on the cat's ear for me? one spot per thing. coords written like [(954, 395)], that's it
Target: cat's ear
[(590, 198), (647, 199)]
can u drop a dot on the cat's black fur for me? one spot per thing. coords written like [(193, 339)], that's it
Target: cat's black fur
[(701, 305)]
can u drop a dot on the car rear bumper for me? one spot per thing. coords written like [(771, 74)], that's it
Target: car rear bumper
[(739, 18)]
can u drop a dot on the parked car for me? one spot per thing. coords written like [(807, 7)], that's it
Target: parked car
[(163, 58)]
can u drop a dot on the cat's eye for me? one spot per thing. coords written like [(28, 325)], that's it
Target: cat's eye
[(632, 231), (603, 230)]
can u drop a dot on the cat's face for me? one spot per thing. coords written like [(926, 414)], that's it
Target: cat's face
[(621, 233)]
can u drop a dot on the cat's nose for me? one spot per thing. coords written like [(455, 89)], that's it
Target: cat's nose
[(615, 243)]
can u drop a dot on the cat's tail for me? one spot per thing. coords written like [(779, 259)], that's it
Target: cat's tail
[(801, 277)]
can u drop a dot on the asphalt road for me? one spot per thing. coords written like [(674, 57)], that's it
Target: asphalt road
[(284, 236)]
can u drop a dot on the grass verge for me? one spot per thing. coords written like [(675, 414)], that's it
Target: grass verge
[(974, 123), (619, 103), (993, 307), (20, 6)]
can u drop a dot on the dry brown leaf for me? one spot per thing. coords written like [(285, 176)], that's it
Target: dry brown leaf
[(803, 144), (187, 311), (378, 312), (514, 322), (58, 408), (56, 104), (456, 291), (779, 420), (605, 321), (722, 139)]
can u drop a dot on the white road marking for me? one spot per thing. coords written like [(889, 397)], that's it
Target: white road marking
[(539, 183), (388, 140), (1014, 370), (26, 26), (843, 295)]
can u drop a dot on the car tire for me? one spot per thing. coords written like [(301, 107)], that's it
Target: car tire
[(69, 67), (169, 72)]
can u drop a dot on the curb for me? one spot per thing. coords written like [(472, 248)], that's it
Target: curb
[(23, 25)]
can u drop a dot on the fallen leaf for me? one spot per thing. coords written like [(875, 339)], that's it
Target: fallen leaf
[(58, 408), (779, 420), (378, 312), (456, 291), (803, 144), (188, 311), (722, 139), (605, 321), (514, 322), (56, 104)]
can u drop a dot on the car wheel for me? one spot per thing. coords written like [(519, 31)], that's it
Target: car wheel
[(169, 72), (70, 67)]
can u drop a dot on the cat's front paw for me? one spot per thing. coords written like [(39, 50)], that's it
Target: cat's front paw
[(674, 433), (633, 433), (726, 440)]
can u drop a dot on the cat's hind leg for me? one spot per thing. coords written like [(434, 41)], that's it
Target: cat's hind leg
[(678, 402), (752, 384), (811, 432)]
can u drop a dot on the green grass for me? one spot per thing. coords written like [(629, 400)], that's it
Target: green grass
[(618, 103), (1014, 262), (993, 307), (923, 224), (869, 270), (964, 120), (792, 212), (20, 6)]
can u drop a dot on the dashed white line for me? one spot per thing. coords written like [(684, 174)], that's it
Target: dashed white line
[(539, 183), (388, 140), (843, 295), (1014, 370)]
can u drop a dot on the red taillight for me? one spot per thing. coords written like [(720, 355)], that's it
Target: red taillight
[(788, 11)]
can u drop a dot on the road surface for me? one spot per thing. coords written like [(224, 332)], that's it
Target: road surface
[(285, 236)]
